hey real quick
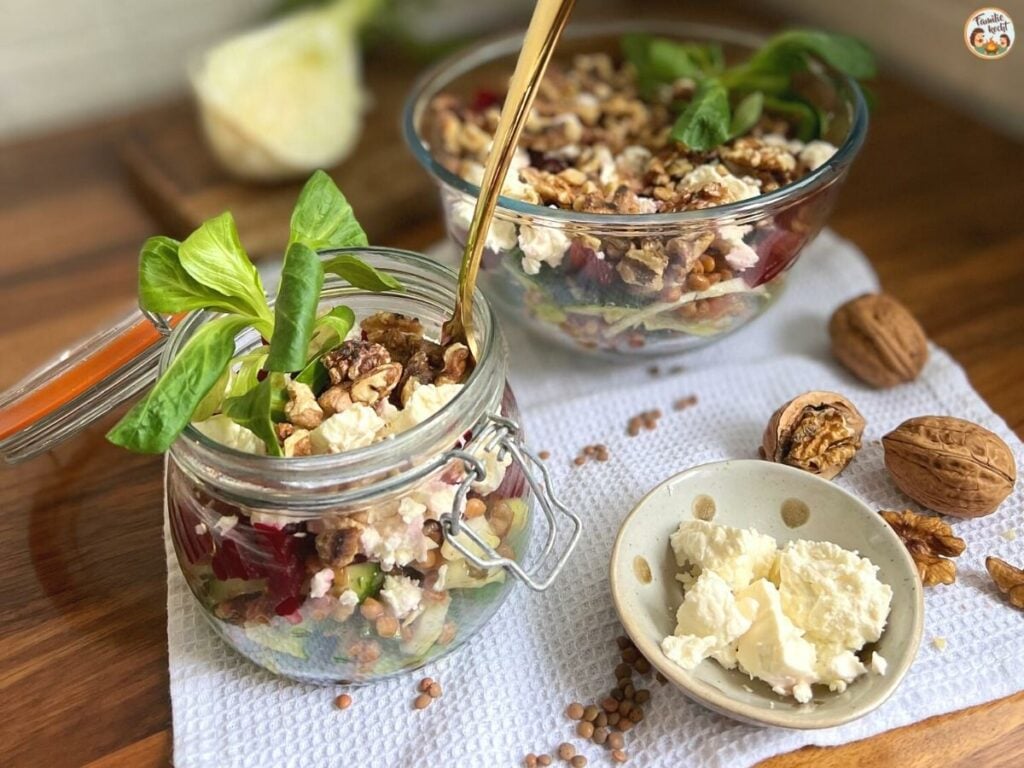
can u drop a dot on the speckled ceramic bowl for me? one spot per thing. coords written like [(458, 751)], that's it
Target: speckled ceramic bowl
[(788, 504)]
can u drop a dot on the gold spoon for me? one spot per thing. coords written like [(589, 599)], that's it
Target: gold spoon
[(549, 17)]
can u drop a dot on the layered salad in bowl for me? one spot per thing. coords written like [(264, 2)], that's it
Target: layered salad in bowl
[(665, 181)]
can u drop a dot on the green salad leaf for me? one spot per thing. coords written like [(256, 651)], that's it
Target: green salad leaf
[(704, 124), (255, 409), (323, 219), (156, 420), (360, 274), (213, 256), (728, 102), (210, 270), (302, 278)]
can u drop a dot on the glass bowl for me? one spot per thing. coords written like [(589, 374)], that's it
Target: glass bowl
[(584, 302), (356, 566)]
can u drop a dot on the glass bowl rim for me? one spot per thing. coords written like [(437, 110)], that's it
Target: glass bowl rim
[(492, 47)]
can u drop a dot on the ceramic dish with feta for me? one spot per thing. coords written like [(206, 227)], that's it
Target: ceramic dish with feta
[(348, 494), (667, 178), (768, 594)]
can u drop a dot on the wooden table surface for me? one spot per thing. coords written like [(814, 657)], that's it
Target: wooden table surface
[(934, 201)]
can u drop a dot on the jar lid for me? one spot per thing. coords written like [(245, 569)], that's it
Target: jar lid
[(81, 384)]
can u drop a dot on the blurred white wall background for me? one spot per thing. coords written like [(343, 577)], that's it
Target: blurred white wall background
[(66, 60)]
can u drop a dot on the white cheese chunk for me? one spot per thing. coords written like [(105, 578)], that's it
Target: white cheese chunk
[(739, 556), (424, 402), (355, 427), (401, 594)]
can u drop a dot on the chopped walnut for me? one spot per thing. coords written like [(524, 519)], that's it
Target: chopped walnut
[(553, 189), (376, 385), (1008, 578), (644, 267), (930, 542), (339, 544), (336, 399), (353, 360), (298, 444), (686, 249), (750, 156), (302, 409), (456, 360)]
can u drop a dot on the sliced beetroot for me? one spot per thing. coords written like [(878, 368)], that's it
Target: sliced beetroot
[(776, 252)]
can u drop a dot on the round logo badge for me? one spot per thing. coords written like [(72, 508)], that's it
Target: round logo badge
[(988, 33)]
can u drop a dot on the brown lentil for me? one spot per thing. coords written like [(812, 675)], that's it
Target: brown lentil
[(625, 725), (685, 402), (619, 756), (615, 741), (585, 729), (630, 656), (574, 711), (343, 702), (629, 691), (636, 715), (625, 708), (530, 761), (617, 694), (475, 508), (623, 669), (610, 704), (660, 678), (387, 626), (566, 751), (579, 461), (642, 665), (613, 718), (642, 696), (544, 455), (434, 691), (425, 684), (623, 642), (578, 762), (601, 720), (600, 735), (421, 702), (544, 760), (590, 713), (371, 609)]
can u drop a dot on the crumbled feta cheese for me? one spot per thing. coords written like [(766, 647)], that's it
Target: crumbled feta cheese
[(355, 427), (500, 237), (494, 471), (438, 497), (401, 594), (271, 520), (321, 582), (541, 245), (939, 643), (424, 402), (225, 523), (1009, 534), (878, 664), (773, 649), (793, 146), (200, 529), (708, 623), (394, 535), (729, 240), (793, 618), (633, 160), (833, 594), (513, 185), (348, 598), (734, 188), (816, 153), (608, 172), (223, 430), (740, 556)]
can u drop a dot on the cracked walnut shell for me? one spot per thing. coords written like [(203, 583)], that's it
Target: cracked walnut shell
[(1008, 578), (818, 432), (950, 465), (878, 340), (930, 542)]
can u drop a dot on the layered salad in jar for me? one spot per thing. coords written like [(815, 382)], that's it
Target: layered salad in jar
[(348, 594), (665, 127)]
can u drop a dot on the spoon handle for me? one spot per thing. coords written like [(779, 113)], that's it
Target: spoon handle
[(549, 18)]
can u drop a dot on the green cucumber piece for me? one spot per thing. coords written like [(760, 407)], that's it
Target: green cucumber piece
[(365, 579)]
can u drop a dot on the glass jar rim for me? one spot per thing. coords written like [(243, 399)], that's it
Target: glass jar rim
[(488, 50), (295, 473)]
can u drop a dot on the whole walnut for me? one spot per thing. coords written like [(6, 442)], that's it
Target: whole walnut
[(950, 465), (818, 432), (878, 340)]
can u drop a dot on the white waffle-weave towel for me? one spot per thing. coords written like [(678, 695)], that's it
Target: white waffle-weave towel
[(506, 690)]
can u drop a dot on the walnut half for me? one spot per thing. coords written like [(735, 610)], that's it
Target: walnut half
[(1008, 578), (930, 542)]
